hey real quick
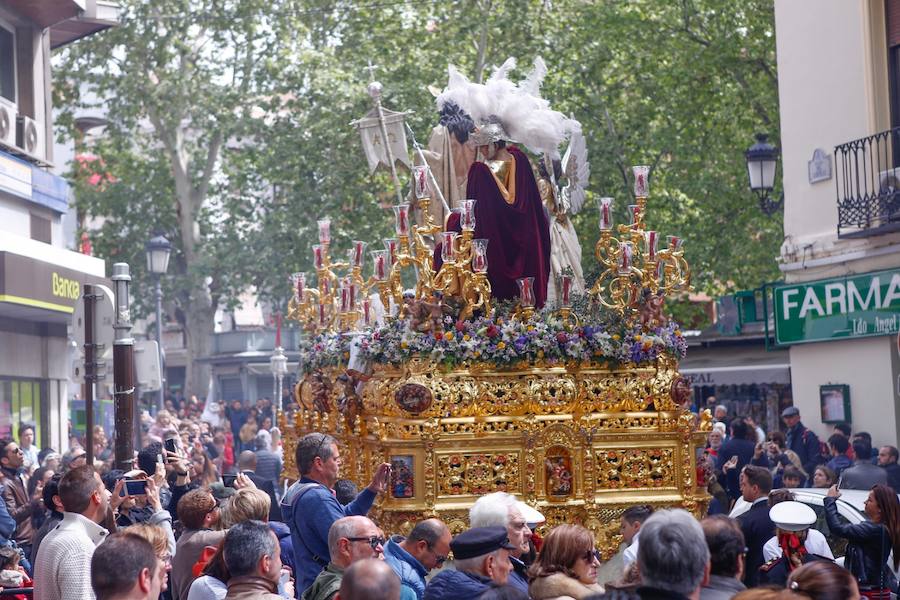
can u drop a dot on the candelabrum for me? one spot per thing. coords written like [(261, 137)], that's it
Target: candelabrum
[(343, 302), (633, 264)]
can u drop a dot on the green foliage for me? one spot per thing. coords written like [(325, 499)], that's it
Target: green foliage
[(265, 92)]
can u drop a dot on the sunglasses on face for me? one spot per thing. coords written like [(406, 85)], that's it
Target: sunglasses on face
[(439, 559), (374, 541), (590, 556)]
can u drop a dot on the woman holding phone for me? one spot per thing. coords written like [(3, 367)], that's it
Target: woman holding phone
[(871, 541)]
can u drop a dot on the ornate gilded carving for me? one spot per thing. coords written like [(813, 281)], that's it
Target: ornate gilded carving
[(478, 473), (579, 442), (635, 468)]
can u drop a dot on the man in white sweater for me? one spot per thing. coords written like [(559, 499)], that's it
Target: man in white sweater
[(63, 566)]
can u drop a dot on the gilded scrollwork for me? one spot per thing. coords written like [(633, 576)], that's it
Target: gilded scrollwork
[(570, 440)]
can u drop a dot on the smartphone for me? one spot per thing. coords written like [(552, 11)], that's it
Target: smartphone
[(134, 487), (228, 480), (285, 577), (170, 445)]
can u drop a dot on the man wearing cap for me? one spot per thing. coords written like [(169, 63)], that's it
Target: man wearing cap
[(481, 557), (413, 557), (801, 440), (792, 521)]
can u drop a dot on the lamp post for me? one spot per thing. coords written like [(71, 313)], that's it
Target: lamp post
[(762, 159), (278, 363), (158, 251)]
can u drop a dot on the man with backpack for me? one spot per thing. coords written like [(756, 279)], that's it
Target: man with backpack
[(803, 441), (310, 507)]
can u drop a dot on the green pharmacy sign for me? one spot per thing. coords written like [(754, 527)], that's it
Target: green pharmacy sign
[(836, 309)]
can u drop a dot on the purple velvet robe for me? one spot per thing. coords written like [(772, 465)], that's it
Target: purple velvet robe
[(518, 233)]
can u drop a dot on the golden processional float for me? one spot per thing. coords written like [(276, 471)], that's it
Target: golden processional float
[(578, 409)]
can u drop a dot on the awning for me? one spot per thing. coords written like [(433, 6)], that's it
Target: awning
[(724, 365)]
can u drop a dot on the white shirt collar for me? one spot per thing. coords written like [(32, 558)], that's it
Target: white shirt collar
[(93, 531)]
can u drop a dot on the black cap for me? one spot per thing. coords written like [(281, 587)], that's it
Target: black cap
[(479, 541)]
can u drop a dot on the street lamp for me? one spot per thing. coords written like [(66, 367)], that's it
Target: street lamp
[(762, 158), (278, 363), (158, 251)]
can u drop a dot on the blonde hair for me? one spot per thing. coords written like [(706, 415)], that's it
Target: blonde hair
[(245, 505), (154, 534)]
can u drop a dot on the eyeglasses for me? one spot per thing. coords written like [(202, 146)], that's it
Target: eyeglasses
[(590, 556), (319, 447), (373, 541), (439, 559)]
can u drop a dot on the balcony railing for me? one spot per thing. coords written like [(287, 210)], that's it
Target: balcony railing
[(868, 185)]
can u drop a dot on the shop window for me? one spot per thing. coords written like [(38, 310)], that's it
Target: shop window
[(20, 402), (7, 64)]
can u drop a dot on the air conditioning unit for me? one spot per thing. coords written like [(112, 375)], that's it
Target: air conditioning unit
[(8, 116), (30, 138)]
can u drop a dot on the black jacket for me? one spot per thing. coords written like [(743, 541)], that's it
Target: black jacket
[(868, 550), (757, 528), (743, 449), (893, 473), (806, 444), (268, 487), (776, 571)]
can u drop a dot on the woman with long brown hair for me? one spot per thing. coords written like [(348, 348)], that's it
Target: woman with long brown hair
[(566, 566), (203, 470), (871, 541)]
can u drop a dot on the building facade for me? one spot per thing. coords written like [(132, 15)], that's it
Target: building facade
[(40, 279), (839, 308)]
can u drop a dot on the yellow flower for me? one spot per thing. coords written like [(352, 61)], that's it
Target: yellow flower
[(677, 332), (615, 336), (501, 345), (448, 335), (466, 337), (530, 328), (403, 345), (637, 338)]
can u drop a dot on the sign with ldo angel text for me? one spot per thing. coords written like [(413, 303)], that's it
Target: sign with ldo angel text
[(840, 308)]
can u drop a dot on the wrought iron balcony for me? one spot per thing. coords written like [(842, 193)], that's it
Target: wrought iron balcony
[(868, 185)]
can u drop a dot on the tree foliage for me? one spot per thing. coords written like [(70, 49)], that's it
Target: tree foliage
[(229, 123)]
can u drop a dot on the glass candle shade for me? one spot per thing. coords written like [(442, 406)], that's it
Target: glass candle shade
[(352, 291), (634, 214), (401, 220), (345, 297), (675, 243), (420, 182), (367, 311), (379, 264), (626, 256), (298, 282), (448, 249), (651, 241), (319, 256), (323, 316), (324, 230), (526, 291), (357, 254), (467, 219), (641, 185), (605, 207), (565, 291), (390, 246), (479, 256)]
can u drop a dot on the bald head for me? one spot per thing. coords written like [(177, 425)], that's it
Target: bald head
[(369, 579), (247, 461)]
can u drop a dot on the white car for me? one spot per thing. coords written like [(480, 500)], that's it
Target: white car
[(850, 510)]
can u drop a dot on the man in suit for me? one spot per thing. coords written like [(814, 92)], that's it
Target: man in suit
[(757, 527), (863, 474), (247, 466)]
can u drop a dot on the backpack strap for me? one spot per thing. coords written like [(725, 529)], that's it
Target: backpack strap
[(290, 499)]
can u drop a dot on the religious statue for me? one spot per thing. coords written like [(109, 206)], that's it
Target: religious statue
[(508, 208)]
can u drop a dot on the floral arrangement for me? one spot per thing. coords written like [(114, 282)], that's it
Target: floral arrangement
[(503, 340)]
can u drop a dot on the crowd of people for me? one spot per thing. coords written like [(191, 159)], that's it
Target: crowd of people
[(204, 514)]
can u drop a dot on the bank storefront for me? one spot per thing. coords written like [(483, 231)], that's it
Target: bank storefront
[(39, 286), (842, 333)]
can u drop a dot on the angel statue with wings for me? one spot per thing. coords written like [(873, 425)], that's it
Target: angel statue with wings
[(565, 250)]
